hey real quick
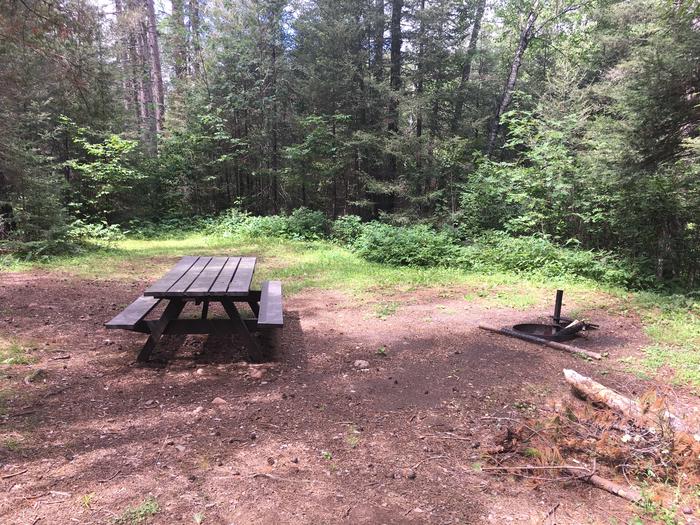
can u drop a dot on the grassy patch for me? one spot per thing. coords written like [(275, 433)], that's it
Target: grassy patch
[(13, 353), (384, 310), (11, 443), (673, 323), (139, 514)]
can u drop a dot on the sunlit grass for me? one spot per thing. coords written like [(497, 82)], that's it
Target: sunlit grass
[(673, 328), (13, 353)]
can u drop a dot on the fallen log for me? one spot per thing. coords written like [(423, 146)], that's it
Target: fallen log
[(597, 393), (628, 493), (583, 474), (538, 340)]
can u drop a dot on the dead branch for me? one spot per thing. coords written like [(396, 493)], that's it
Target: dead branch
[(597, 393), (628, 493), (583, 474), (8, 476), (552, 344)]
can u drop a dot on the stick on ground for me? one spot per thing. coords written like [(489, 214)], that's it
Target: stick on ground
[(539, 340)]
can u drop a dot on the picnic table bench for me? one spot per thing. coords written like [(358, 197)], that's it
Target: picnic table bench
[(226, 280)]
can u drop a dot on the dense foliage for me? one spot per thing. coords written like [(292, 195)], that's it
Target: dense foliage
[(475, 131), (421, 246)]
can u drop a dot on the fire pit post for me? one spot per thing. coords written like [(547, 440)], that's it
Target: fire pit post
[(557, 306)]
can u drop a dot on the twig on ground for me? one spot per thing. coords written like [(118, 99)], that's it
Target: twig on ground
[(427, 459), (110, 478), (447, 435), (8, 476), (37, 496), (25, 413), (540, 467), (552, 511), (277, 478), (581, 473)]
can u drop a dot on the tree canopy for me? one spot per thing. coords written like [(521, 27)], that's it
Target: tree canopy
[(574, 121)]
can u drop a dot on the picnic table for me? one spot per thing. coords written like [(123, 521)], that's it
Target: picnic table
[(203, 280)]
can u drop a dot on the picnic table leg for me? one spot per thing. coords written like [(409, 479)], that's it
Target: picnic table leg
[(205, 309), (255, 307), (171, 312), (240, 326)]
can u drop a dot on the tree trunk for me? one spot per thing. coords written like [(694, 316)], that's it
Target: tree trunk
[(274, 123), (195, 24), (396, 41), (420, 67), (155, 63), (507, 95), (378, 62), (150, 129), (179, 39), (387, 203), (467, 66), (127, 81)]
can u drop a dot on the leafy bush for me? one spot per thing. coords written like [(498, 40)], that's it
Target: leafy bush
[(406, 246), (307, 224), (40, 250), (173, 226), (83, 231), (501, 252), (346, 229), (302, 223)]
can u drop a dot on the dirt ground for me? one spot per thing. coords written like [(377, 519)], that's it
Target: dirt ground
[(307, 438)]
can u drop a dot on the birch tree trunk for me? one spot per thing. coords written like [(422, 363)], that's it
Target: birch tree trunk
[(155, 65), (526, 34), (467, 65), (150, 127)]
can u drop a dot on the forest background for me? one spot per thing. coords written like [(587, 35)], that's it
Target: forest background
[(521, 134)]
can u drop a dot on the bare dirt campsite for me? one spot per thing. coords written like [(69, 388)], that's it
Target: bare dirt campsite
[(374, 408)]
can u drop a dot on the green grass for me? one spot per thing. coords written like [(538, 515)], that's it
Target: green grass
[(12, 444), (672, 324), (139, 514), (13, 353), (384, 310)]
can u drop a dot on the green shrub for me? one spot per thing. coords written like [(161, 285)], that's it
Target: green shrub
[(264, 226), (307, 224), (302, 223), (498, 251), (83, 231), (406, 246), (346, 229), (40, 250)]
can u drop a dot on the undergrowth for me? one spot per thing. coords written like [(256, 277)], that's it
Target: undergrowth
[(306, 250), (139, 514)]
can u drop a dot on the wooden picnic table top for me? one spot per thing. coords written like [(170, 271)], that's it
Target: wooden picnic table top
[(202, 277)]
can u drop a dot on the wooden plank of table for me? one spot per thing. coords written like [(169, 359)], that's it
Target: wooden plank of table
[(179, 289), (170, 278), (128, 318), (203, 283), (224, 278), (240, 285), (271, 304)]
